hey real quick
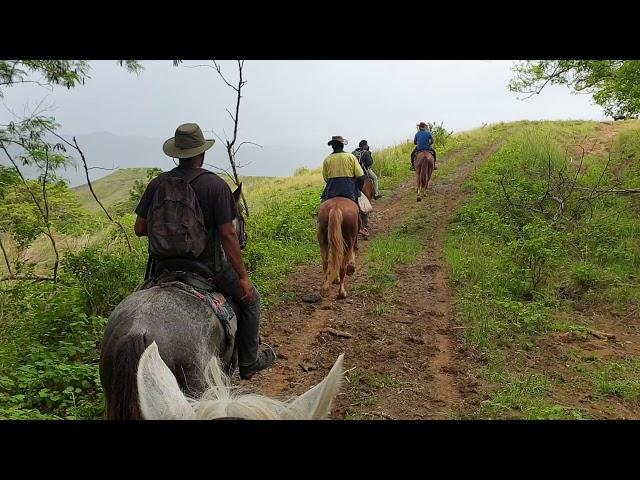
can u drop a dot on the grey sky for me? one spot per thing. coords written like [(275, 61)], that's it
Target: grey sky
[(300, 103)]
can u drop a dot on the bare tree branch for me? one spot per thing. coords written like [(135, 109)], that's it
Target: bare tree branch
[(222, 170), (24, 180), (86, 170), (75, 146), (595, 187), (249, 143), (14, 82), (217, 69), (104, 168), (575, 179), (35, 278), (46, 219), (624, 191), (6, 258), (43, 213), (242, 165), (231, 152), (560, 211), (511, 202)]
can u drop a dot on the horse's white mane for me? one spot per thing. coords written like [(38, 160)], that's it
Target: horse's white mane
[(161, 398)]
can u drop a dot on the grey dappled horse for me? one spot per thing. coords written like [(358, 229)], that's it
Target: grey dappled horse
[(185, 329), (162, 399)]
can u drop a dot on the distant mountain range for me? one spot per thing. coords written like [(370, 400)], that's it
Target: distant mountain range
[(106, 150)]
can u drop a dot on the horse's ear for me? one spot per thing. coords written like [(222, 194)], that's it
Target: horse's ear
[(237, 192), (160, 396), (315, 404)]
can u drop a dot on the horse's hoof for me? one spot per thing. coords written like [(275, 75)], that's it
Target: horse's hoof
[(324, 291), (336, 281), (342, 295), (418, 199), (351, 269)]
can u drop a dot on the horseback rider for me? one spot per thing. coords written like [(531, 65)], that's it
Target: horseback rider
[(219, 212), (363, 154), (343, 174), (423, 140)]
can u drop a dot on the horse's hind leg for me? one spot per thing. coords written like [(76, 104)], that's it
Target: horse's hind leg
[(326, 286), (342, 293), (418, 173), (324, 251), (430, 168), (351, 264)]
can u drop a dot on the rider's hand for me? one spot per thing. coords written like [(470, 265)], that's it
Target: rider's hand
[(247, 289)]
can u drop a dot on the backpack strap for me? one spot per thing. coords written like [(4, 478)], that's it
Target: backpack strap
[(189, 177)]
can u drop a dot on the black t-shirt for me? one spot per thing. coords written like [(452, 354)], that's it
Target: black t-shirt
[(214, 195)]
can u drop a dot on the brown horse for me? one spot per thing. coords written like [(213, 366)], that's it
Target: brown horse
[(424, 168), (368, 190), (338, 238)]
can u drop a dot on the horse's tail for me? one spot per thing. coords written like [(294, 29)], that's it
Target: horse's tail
[(429, 169), (122, 390), (336, 243)]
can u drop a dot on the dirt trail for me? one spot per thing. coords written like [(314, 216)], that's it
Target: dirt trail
[(402, 365)]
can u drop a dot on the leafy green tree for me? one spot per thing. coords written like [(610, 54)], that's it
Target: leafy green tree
[(613, 84)]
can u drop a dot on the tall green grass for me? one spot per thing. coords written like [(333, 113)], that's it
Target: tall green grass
[(512, 264)]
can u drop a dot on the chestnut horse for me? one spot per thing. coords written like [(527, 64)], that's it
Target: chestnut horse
[(424, 168), (368, 192), (338, 238)]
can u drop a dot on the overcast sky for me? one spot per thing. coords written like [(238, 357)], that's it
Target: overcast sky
[(301, 103)]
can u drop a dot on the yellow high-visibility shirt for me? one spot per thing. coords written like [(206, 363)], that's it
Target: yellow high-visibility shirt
[(342, 164)]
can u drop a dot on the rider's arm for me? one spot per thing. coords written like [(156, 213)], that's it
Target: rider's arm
[(231, 246), (415, 139), (142, 210), (366, 159), (358, 174), (140, 227)]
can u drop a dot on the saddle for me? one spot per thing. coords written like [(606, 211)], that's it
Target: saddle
[(189, 271), (196, 279)]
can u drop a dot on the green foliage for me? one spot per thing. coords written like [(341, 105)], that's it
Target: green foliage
[(66, 73), (441, 135), (534, 250), (24, 221), (60, 380), (510, 255), (386, 252), (613, 84), (106, 274), (585, 275), (136, 192), (281, 235), (621, 379), (523, 397), (48, 354)]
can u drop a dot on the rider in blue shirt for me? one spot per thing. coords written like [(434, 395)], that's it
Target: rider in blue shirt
[(423, 140)]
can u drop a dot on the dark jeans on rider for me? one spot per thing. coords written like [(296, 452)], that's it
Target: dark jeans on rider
[(248, 334)]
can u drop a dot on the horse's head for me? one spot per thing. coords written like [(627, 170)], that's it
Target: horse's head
[(161, 397), (239, 222)]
